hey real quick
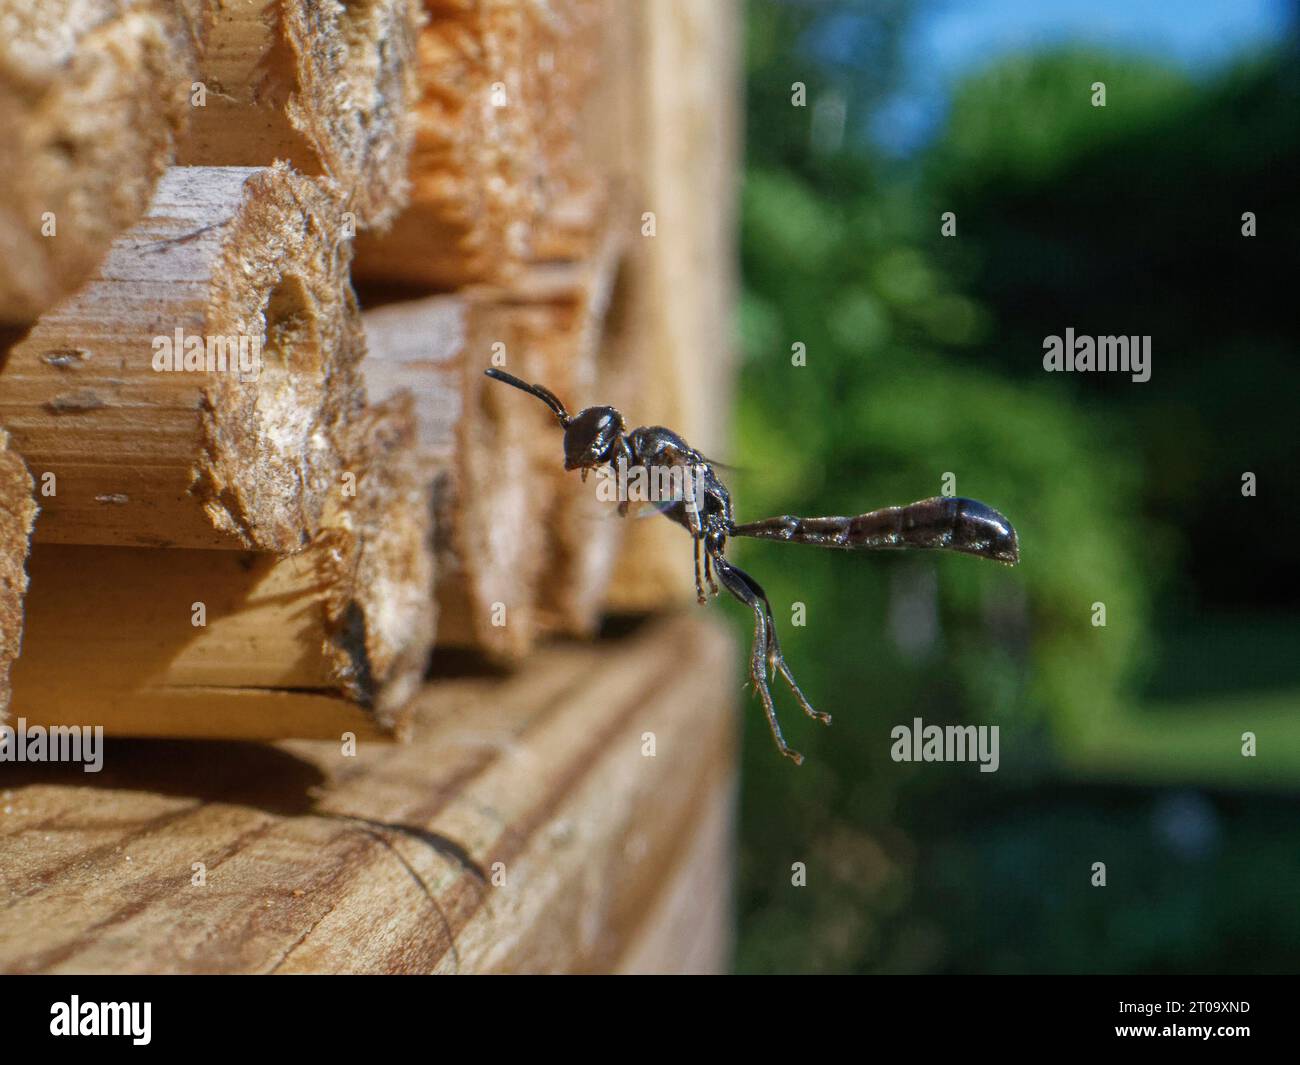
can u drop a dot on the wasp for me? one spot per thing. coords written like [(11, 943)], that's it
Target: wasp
[(598, 438)]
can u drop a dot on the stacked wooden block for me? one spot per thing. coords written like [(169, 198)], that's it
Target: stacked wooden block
[(259, 497)]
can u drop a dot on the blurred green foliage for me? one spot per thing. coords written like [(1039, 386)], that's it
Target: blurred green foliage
[(923, 357)]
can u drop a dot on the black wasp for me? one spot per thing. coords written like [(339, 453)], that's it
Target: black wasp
[(597, 437)]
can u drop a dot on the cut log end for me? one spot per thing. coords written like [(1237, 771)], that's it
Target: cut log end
[(477, 446), (379, 556), (326, 87), (502, 86), (333, 639), (196, 392), (93, 98), (523, 548), (587, 356), (272, 440), (17, 515), (497, 497)]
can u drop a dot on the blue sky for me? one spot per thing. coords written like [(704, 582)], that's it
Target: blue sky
[(950, 37)]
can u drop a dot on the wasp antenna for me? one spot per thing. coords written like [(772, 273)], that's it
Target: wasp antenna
[(544, 394)]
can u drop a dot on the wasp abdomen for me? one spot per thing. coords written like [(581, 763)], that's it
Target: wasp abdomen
[(943, 523)]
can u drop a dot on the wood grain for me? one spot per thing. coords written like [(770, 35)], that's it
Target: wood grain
[(689, 929), (388, 862)]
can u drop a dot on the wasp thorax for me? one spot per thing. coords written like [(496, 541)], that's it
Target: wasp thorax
[(591, 437)]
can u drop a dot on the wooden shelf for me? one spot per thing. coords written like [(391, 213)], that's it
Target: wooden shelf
[(386, 861)]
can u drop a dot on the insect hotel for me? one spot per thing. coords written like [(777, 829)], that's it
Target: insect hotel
[(313, 657)]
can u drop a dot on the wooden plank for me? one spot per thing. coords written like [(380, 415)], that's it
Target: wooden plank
[(522, 830), (688, 931)]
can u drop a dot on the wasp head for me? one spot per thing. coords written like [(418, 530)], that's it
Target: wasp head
[(591, 438)]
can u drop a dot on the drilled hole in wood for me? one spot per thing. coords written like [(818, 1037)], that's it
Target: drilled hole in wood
[(291, 379)]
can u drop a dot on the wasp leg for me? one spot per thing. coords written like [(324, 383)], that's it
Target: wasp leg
[(775, 657), (708, 572), (742, 586), (777, 661), (696, 530)]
